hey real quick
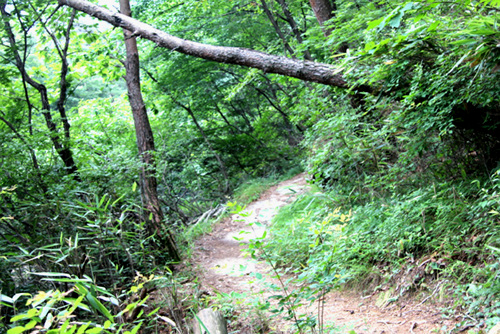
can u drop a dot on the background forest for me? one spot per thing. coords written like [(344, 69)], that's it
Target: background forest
[(405, 145)]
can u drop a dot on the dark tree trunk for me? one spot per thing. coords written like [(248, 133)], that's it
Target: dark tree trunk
[(293, 25), (277, 28), (324, 10), (304, 70), (61, 145), (145, 142), (63, 83)]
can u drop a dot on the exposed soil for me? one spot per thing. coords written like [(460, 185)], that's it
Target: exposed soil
[(224, 267)]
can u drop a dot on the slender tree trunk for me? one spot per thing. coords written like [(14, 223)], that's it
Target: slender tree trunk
[(145, 141), (63, 83), (292, 139), (277, 28), (230, 126), (63, 55), (62, 146), (293, 25)]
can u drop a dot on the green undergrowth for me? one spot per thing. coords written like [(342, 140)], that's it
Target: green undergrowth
[(445, 231), (250, 190), (247, 192), (79, 305)]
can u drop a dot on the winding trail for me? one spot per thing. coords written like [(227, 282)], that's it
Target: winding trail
[(223, 267)]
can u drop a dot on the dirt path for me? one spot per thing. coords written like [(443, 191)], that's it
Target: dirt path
[(224, 268)]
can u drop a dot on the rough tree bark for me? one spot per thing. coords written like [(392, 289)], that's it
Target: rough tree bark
[(304, 70), (145, 141), (324, 10)]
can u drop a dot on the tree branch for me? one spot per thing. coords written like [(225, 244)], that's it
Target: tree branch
[(303, 70)]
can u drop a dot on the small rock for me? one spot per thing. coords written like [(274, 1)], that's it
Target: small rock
[(495, 329), (213, 322)]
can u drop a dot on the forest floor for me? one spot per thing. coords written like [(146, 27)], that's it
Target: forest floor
[(225, 267)]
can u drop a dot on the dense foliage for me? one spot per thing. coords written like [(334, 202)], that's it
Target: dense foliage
[(406, 157)]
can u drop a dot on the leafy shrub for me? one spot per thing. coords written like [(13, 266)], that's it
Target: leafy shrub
[(106, 240), (452, 224), (83, 308), (291, 236)]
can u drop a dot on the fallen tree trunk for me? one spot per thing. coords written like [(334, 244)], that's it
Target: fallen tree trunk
[(300, 69)]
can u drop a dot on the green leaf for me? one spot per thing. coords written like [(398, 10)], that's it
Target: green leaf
[(136, 328), (72, 329), (101, 201), (375, 24), (51, 274), (153, 312), (30, 314), (98, 306), (465, 41), (81, 306), (433, 26), (76, 304), (458, 63), (369, 46), (82, 328), (17, 295), (62, 258), (395, 21), (67, 280), (16, 330), (483, 32), (30, 324), (494, 249)]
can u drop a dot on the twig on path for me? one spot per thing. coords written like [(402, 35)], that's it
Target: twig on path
[(368, 296), (412, 310), (387, 324), (390, 322)]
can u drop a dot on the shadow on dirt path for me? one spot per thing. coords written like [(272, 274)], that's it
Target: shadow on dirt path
[(225, 268)]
